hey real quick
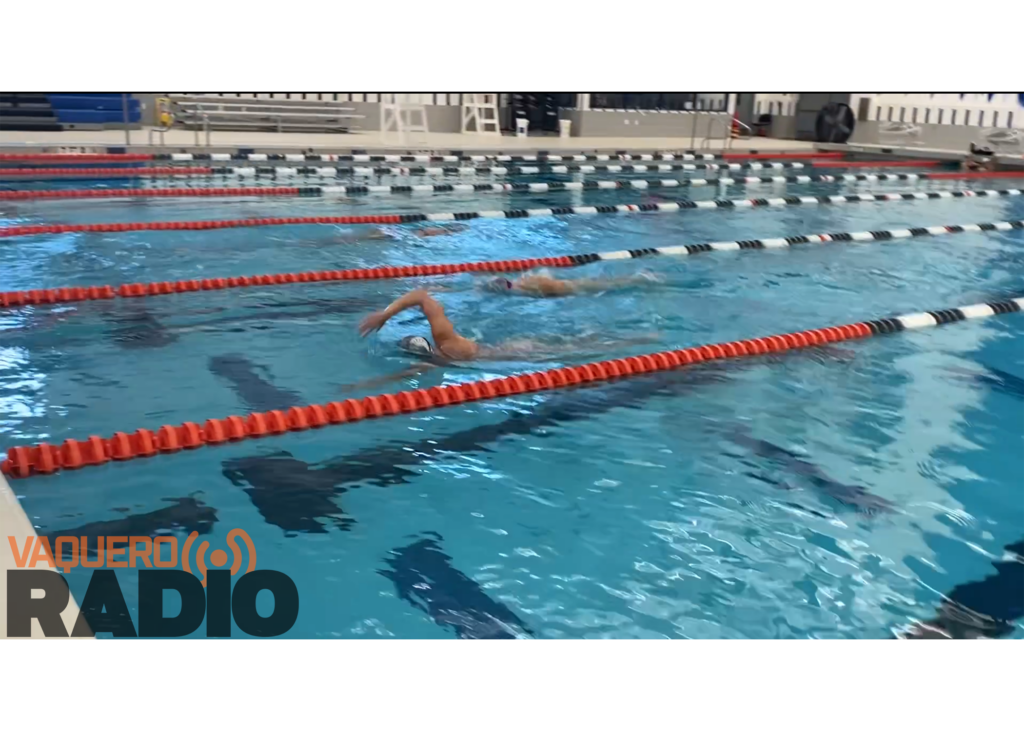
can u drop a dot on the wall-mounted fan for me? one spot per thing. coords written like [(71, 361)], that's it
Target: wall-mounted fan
[(835, 123)]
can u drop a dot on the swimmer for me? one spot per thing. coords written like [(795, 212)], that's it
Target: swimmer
[(376, 234), (545, 285), (430, 231), (979, 159), (449, 346), (354, 237)]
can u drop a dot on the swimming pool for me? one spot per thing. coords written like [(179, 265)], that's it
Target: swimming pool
[(714, 501)]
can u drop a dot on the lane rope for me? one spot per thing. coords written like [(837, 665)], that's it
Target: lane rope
[(540, 157), (74, 157), (108, 172), (669, 207), (60, 295), (45, 458), (343, 191), (340, 172)]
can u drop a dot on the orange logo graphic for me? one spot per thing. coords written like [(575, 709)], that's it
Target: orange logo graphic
[(121, 552), (219, 557)]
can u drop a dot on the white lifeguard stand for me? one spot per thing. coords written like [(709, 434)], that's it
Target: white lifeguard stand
[(402, 114), (480, 114)]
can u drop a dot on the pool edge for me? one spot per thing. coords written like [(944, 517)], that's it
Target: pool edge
[(15, 523)]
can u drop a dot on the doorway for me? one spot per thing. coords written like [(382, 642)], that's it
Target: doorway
[(540, 108)]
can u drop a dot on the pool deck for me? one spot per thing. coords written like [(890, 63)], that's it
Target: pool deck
[(15, 524), (176, 139), (182, 140)]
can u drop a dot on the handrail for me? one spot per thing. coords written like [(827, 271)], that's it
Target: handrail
[(192, 114), (257, 108), (124, 112), (161, 131), (706, 143)]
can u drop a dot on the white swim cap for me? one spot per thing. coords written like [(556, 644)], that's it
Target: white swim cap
[(416, 344)]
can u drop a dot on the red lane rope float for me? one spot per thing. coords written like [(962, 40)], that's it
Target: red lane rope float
[(880, 164), (153, 289), (108, 172), (650, 207), (203, 225), (46, 458), (76, 157), (149, 192)]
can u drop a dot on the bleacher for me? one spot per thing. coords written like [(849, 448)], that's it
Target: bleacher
[(74, 110), (217, 111), (56, 112), (30, 112)]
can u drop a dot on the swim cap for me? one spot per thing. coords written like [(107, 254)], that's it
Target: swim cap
[(416, 344), (498, 284)]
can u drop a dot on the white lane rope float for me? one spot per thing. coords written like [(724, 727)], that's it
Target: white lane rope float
[(62, 295), (328, 191), (540, 157), (403, 218), (345, 191)]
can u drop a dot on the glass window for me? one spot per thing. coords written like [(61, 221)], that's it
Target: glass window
[(646, 100)]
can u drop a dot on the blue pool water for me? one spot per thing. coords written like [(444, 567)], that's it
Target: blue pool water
[(710, 502)]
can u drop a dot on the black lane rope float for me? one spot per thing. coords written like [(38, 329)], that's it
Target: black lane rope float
[(345, 191), (276, 172), (153, 289), (539, 157), (661, 207)]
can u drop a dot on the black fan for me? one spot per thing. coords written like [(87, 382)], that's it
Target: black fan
[(835, 123)]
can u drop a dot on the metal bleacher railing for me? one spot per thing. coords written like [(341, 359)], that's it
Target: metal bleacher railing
[(207, 112)]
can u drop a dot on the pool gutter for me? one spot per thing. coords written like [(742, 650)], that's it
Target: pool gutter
[(15, 523)]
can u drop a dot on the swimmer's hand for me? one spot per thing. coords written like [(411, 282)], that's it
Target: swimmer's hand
[(409, 372), (373, 322)]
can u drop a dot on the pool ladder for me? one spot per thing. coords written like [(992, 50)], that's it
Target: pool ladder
[(726, 123)]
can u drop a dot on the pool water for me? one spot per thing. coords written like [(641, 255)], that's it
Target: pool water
[(834, 492)]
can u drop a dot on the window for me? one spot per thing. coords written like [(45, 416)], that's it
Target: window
[(939, 121), (889, 117), (927, 115), (1009, 119), (981, 118), (878, 114), (913, 114), (995, 119), (903, 113), (952, 116), (967, 117)]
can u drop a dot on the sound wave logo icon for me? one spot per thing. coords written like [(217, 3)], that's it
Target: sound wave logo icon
[(219, 557)]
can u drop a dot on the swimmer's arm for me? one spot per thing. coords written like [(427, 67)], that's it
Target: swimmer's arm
[(413, 370), (440, 326), (603, 285)]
